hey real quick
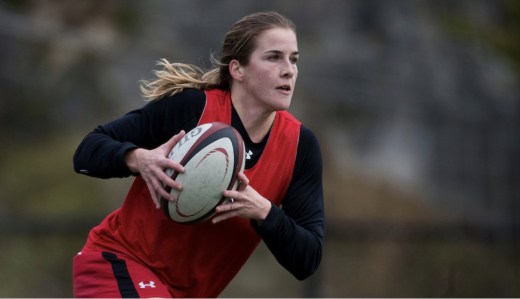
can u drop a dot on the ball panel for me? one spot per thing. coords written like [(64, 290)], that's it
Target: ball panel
[(207, 176), (212, 155)]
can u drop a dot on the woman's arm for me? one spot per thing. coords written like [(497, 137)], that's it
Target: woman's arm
[(294, 233), (139, 143), (103, 151)]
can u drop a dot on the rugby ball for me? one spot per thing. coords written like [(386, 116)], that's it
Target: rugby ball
[(212, 155)]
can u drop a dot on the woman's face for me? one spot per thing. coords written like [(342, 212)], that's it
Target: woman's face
[(270, 76)]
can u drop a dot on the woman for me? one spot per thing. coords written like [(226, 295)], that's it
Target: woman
[(137, 251)]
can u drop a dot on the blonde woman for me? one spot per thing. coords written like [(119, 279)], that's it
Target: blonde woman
[(137, 251)]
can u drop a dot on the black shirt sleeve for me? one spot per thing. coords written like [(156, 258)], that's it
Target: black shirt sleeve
[(294, 233), (101, 153)]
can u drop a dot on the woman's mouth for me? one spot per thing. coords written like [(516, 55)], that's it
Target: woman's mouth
[(285, 88)]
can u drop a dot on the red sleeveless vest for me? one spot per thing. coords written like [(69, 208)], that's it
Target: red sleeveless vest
[(199, 260)]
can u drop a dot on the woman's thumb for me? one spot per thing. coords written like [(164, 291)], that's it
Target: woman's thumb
[(171, 143)]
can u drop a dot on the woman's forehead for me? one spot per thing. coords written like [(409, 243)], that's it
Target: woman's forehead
[(277, 39)]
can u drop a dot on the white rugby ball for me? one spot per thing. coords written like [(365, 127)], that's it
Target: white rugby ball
[(212, 155)]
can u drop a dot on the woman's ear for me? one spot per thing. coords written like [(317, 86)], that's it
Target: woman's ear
[(236, 70)]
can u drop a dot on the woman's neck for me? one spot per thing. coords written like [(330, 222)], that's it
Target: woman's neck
[(257, 121)]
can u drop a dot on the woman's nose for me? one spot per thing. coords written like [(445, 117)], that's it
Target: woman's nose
[(287, 70)]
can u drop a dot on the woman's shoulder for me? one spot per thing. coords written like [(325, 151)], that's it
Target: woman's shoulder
[(187, 95), (187, 99), (307, 137)]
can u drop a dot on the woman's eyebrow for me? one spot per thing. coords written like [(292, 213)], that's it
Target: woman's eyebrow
[(280, 52)]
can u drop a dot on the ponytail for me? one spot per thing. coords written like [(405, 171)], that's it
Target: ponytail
[(174, 77)]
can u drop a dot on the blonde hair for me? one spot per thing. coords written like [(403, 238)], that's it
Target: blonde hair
[(174, 77), (239, 43)]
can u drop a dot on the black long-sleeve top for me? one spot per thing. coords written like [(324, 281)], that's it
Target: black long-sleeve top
[(293, 232)]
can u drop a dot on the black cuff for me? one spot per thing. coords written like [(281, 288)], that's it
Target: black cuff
[(271, 222), (122, 169)]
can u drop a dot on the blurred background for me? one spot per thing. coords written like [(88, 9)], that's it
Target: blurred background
[(415, 104)]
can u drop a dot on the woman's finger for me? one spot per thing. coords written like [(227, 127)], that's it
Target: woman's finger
[(243, 181), (159, 189), (170, 164), (171, 143), (154, 195), (223, 216), (168, 181)]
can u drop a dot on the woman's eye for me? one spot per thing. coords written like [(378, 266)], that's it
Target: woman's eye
[(294, 60)]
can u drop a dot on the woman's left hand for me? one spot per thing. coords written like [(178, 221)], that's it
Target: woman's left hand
[(244, 202)]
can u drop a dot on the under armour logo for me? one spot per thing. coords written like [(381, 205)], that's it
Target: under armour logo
[(249, 154), (150, 284)]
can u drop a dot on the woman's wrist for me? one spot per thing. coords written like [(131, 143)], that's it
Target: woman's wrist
[(131, 160), (264, 212)]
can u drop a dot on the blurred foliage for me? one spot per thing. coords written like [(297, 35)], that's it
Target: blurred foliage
[(502, 34), (39, 266), (421, 269), (42, 175), (505, 37)]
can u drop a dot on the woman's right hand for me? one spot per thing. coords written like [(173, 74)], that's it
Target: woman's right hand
[(151, 165)]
